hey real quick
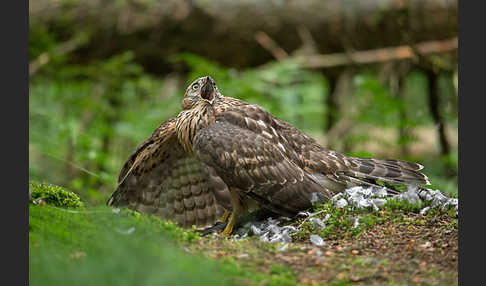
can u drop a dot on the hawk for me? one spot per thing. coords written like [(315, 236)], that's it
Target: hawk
[(222, 156)]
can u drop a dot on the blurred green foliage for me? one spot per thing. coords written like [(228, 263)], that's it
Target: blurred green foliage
[(86, 119)]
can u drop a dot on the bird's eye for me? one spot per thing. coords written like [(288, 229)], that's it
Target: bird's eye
[(195, 86)]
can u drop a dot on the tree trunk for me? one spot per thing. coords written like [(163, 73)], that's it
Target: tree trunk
[(435, 110), (226, 31)]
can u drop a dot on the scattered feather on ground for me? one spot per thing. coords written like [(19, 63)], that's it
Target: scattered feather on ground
[(270, 230)]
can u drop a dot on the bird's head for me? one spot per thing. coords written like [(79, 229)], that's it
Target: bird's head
[(202, 90)]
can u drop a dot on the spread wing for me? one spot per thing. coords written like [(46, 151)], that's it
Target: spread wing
[(160, 178), (252, 163)]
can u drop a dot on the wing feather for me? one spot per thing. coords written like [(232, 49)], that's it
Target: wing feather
[(273, 179), (160, 178)]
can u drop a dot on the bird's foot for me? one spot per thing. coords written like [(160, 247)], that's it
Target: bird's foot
[(227, 230), (230, 225), (224, 218)]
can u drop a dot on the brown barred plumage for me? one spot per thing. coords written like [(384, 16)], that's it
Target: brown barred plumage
[(224, 153)]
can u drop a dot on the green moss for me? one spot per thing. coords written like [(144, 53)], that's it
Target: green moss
[(340, 223), (280, 269), (393, 204), (249, 275), (341, 283), (277, 280), (452, 212), (454, 223), (281, 275), (369, 221), (172, 229), (97, 247), (54, 195)]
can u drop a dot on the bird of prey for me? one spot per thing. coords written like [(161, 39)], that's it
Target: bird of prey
[(222, 156)]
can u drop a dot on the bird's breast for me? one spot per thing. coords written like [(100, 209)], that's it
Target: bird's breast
[(189, 122)]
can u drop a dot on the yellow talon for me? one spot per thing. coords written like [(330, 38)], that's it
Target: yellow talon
[(229, 227), (237, 209), (225, 216)]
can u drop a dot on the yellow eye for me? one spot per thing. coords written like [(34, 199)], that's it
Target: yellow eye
[(195, 86)]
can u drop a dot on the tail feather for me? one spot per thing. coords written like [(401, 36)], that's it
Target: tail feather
[(393, 163), (388, 170)]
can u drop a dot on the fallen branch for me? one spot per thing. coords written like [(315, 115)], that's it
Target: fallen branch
[(378, 55), (270, 45)]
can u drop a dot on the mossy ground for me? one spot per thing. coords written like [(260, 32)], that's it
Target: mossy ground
[(95, 246)]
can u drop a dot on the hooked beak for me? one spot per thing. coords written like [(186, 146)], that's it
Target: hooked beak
[(207, 90)]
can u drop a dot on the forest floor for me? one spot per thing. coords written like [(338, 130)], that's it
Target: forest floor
[(96, 245), (395, 252)]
